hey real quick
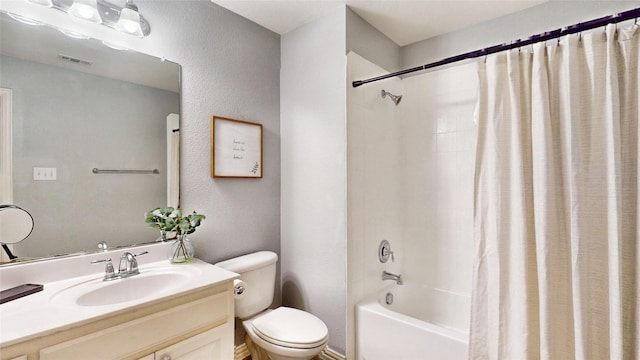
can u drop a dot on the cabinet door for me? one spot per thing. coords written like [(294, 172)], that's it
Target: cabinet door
[(148, 357), (148, 332), (214, 344)]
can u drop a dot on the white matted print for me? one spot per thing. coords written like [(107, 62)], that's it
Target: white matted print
[(236, 148)]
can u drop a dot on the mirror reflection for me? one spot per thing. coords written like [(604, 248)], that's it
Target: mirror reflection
[(77, 105)]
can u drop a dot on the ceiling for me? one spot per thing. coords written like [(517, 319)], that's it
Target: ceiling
[(403, 21)]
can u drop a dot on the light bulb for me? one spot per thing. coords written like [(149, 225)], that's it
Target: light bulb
[(129, 21), (86, 10)]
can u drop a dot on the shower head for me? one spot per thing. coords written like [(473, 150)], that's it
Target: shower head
[(395, 98)]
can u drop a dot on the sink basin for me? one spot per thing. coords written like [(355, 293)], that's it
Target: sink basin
[(132, 288), (150, 283)]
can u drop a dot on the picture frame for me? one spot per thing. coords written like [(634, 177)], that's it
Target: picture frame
[(236, 148)]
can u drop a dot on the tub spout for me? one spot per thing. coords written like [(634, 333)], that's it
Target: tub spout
[(389, 276)]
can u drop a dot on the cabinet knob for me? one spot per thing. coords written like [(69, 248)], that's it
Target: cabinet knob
[(166, 357)]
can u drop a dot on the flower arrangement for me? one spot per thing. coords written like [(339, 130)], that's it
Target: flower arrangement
[(172, 220)]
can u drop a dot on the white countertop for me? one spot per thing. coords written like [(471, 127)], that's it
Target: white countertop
[(48, 311)]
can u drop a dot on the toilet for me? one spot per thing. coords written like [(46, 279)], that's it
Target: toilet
[(276, 334)]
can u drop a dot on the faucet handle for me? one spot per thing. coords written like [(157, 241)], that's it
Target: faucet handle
[(134, 263), (109, 272), (393, 258)]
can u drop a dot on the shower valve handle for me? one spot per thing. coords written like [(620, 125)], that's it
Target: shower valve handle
[(393, 258), (384, 252)]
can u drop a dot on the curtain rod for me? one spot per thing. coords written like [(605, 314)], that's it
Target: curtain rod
[(549, 35)]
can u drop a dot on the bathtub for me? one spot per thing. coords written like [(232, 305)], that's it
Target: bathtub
[(403, 331)]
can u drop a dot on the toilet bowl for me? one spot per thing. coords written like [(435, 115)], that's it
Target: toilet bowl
[(287, 334), (283, 333)]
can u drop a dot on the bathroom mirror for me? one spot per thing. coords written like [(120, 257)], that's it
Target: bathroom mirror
[(77, 104)]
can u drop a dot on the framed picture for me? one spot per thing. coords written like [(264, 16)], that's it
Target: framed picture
[(236, 148)]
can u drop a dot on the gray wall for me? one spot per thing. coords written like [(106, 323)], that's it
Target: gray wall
[(74, 121), (230, 68), (551, 15), (314, 171)]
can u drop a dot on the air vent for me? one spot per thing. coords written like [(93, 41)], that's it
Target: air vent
[(73, 60)]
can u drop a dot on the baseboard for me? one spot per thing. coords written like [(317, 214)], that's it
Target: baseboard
[(328, 354), (241, 353)]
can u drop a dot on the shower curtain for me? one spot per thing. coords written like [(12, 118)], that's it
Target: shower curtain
[(556, 272)]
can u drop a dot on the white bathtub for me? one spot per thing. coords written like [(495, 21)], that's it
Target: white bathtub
[(386, 332)]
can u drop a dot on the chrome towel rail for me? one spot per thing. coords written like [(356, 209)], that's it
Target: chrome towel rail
[(98, 171)]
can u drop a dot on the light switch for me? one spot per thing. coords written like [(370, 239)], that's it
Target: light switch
[(44, 173)]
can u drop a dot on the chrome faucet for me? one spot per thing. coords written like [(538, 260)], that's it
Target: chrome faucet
[(389, 276), (128, 266)]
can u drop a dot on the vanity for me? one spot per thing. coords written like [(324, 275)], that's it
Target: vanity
[(167, 312)]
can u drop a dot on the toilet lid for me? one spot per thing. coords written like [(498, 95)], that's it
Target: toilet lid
[(291, 327)]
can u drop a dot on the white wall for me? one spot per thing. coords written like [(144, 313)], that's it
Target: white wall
[(312, 125), (231, 68)]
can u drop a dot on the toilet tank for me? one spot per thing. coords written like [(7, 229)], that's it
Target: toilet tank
[(258, 271)]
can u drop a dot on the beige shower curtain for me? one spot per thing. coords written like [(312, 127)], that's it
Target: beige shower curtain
[(556, 272)]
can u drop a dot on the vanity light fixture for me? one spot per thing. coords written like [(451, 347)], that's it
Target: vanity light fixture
[(125, 18)]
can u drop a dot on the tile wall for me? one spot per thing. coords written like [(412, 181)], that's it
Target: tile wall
[(439, 135), (410, 175)]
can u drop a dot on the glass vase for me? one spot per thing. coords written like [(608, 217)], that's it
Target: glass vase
[(181, 250)]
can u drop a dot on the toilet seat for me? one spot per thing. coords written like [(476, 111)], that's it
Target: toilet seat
[(291, 328)]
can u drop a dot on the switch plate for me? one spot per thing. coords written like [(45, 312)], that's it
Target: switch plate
[(44, 173)]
